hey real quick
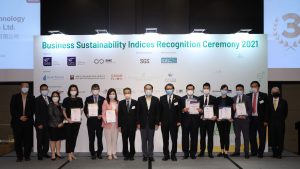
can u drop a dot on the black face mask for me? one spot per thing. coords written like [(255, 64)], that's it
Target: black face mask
[(276, 94)]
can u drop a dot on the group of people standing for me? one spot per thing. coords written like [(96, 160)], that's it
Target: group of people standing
[(54, 121)]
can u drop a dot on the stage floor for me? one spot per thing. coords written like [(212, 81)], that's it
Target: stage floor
[(289, 160)]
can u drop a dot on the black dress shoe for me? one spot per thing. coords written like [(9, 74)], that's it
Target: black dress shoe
[(145, 159), (166, 158), (57, 156), (19, 160), (185, 157), (193, 157), (260, 156), (210, 155), (173, 158), (47, 156), (253, 154), (226, 155), (220, 154), (235, 154), (93, 157), (27, 159), (131, 158), (247, 156), (40, 158), (279, 157), (126, 158), (53, 159), (151, 159), (201, 154), (99, 157)]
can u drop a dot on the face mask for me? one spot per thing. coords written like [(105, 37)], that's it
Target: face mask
[(276, 94), (24, 89), (127, 96), (239, 92), (73, 93), (206, 91), (254, 90), (169, 92), (112, 96), (223, 92), (148, 92), (190, 92), (55, 99), (95, 92), (44, 92)]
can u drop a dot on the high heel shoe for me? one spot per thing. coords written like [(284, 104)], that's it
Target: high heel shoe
[(60, 157)]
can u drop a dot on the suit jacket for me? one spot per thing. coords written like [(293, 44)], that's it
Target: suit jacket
[(150, 116), (228, 103), (170, 115), (248, 104), (41, 111), (262, 106), (278, 116), (90, 100), (127, 118), (183, 104), (212, 101), (56, 115), (16, 109)]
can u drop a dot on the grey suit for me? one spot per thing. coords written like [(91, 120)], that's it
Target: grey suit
[(242, 125)]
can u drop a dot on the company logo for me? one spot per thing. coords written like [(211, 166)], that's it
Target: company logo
[(286, 30), (87, 77), (170, 78), (144, 61), (53, 78), (47, 61), (102, 61), (71, 61), (116, 77), (169, 60), (98, 61)]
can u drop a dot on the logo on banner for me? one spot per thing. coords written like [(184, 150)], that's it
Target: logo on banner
[(169, 60), (286, 30), (144, 61), (116, 77), (53, 77), (47, 61), (102, 61), (71, 61), (170, 78), (87, 77)]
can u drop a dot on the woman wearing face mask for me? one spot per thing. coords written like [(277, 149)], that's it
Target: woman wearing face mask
[(110, 125), (224, 124), (56, 119), (71, 103)]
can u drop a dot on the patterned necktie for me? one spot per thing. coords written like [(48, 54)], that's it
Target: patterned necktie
[(170, 102), (275, 103), (254, 103), (127, 105)]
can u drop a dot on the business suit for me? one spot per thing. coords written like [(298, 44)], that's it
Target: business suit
[(42, 118), (127, 121), (147, 118), (190, 126), (23, 131), (94, 124), (257, 121), (206, 125), (170, 115), (242, 125), (276, 121)]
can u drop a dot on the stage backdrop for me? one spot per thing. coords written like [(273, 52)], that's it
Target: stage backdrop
[(118, 61)]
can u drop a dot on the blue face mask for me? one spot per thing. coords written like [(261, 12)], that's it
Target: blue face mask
[(239, 93), (169, 92)]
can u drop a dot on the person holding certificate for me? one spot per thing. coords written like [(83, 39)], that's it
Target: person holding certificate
[(242, 109), (225, 116), (93, 113), (190, 122), (207, 120), (72, 106), (148, 121), (110, 122), (170, 119), (127, 118)]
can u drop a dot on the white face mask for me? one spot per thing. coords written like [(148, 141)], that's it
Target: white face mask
[(239, 92), (254, 90), (73, 93), (95, 92), (44, 92), (190, 92), (112, 96), (148, 92), (24, 89), (127, 96), (206, 91), (223, 92), (55, 99)]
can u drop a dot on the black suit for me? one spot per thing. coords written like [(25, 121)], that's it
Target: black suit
[(94, 125), (170, 115), (23, 131), (257, 123), (190, 126), (207, 126), (276, 120), (42, 118), (127, 119), (147, 119)]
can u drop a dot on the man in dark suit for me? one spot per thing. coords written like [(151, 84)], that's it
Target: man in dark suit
[(207, 125), (22, 111), (278, 111), (148, 121), (42, 121), (94, 121), (170, 120), (127, 119), (190, 123), (258, 119), (241, 121)]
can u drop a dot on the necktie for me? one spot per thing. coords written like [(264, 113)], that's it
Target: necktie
[(46, 100), (275, 104), (254, 103), (240, 99), (205, 101), (127, 105), (95, 99), (170, 102)]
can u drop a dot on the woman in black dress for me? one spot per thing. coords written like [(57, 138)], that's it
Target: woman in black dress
[(56, 119)]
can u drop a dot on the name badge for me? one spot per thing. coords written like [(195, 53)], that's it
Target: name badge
[(261, 102), (176, 103), (133, 107)]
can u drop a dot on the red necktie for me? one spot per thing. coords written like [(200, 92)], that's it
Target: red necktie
[(254, 103)]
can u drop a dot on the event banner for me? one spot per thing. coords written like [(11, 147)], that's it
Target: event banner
[(119, 61)]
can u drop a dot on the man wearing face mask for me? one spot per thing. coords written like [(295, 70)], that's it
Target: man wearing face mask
[(170, 118), (207, 125), (42, 122), (278, 111), (190, 123), (94, 121), (148, 121), (22, 108), (127, 123), (241, 122), (258, 119)]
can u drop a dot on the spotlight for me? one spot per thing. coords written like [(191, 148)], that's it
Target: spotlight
[(244, 30), (55, 32), (101, 31), (151, 30), (199, 30)]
